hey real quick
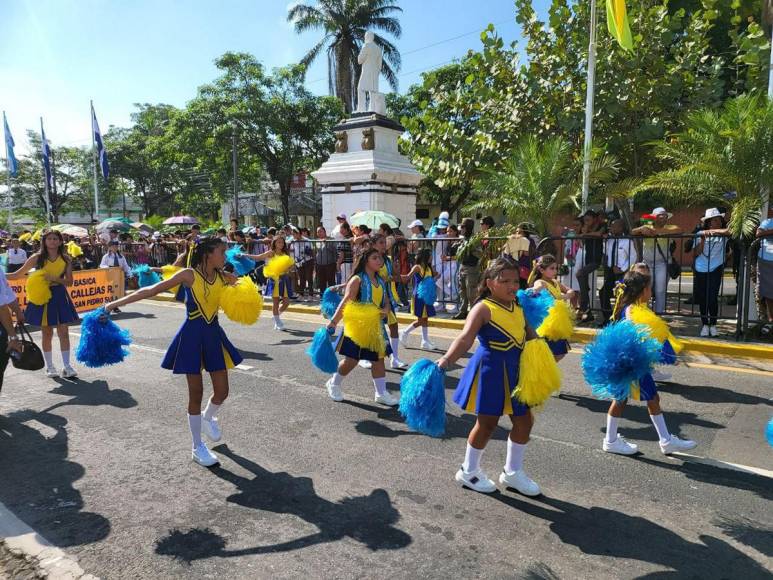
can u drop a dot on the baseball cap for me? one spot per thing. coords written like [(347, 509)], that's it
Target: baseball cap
[(416, 224), (341, 216)]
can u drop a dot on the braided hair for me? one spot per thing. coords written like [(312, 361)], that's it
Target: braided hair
[(200, 249), (628, 291), (538, 265)]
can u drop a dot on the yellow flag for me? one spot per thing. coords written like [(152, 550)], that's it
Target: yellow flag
[(617, 22)]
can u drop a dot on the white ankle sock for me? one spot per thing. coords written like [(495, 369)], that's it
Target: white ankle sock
[(394, 343), (277, 320), (380, 386), (66, 358), (194, 423), (611, 428), (660, 426), (425, 333), (514, 461), (49, 358), (472, 459), (210, 412), (337, 379)]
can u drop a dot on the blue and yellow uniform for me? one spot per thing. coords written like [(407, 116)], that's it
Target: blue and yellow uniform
[(557, 347), (488, 380), (646, 389), (201, 343), (58, 310), (346, 346), (278, 287), (418, 308), (385, 273)]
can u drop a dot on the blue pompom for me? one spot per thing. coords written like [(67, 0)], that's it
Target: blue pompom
[(535, 306), (769, 432), (667, 354), (427, 291), (423, 398), (622, 353), (241, 264), (321, 352), (102, 341), (145, 276), (329, 303)]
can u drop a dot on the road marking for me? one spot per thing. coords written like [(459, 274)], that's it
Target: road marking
[(724, 368), (726, 465), (243, 367)]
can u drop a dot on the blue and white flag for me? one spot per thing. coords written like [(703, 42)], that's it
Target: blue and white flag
[(13, 165), (101, 151), (46, 154)]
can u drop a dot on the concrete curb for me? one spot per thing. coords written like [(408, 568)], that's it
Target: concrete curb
[(581, 335)]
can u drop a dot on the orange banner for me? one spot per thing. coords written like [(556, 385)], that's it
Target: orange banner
[(90, 288)]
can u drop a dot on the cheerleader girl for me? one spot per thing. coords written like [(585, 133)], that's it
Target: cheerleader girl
[(422, 311), (366, 287), (388, 276), (200, 343), (544, 276), (278, 288), (635, 290), (58, 312), (487, 382)]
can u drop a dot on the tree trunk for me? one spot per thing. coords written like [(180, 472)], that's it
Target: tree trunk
[(343, 78), (284, 198)]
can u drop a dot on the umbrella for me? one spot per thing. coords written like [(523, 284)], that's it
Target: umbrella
[(180, 219), (114, 224), (119, 219), (373, 219), (76, 231), (142, 227)]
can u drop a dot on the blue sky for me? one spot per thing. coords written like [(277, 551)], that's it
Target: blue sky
[(55, 55)]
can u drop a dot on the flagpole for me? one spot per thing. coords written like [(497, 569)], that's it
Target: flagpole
[(589, 107), (94, 157), (8, 176), (45, 176)]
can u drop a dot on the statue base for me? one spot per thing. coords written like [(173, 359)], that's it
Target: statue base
[(367, 172)]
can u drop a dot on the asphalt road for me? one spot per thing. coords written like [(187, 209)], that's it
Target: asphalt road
[(100, 466)]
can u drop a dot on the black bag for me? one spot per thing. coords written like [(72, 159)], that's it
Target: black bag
[(31, 357), (674, 269)]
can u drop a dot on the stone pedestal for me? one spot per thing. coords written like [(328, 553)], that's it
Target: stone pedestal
[(367, 172)]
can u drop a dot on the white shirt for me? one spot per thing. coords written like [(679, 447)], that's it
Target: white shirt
[(7, 295), (16, 256), (109, 260), (622, 258)]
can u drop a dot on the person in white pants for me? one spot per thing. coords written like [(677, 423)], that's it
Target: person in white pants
[(656, 254)]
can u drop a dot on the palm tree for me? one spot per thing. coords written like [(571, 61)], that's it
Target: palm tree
[(344, 23), (729, 151), (537, 180)]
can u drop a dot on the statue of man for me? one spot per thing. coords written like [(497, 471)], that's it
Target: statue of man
[(370, 60)]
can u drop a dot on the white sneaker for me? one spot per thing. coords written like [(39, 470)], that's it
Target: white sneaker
[(403, 338), (427, 345), (704, 330), (51, 372), (676, 444), (476, 481), (204, 456), (436, 305), (713, 331), (387, 399), (279, 325), (520, 482), (69, 372), (619, 446), (660, 376), (396, 363), (334, 391), (211, 429), (365, 364)]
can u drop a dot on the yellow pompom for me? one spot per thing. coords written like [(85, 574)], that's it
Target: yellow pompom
[(36, 236), (559, 323), (25, 237), (658, 328), (278, 266), (539, 375), (242, 302), (74, 249), (38, 288), (362, 323), (167, 272)]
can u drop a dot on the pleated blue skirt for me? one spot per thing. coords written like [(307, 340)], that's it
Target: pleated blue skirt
[(200, 346), (559, 347), (347, 347), (278, 288), (420, 309), (58, 310), (487, 383)]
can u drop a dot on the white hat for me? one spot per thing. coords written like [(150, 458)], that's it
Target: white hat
[(444, 215), (415, 224), (341, 216), (712, 213), (662, 211)]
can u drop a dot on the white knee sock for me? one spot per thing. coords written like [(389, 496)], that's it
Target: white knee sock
[(394, 343), (337, 379), (472, 459), (49, 358), (210, 412), (425, 333), (380, 386), (66, 358), (194, 423), (277, 319), (660, 426), (409, 329), (611, 428), (514, 461)]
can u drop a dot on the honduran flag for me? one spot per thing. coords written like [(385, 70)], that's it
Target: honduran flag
[(13, 165), (101, 151), (45, 150)]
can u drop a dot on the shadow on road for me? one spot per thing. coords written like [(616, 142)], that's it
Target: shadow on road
[(258, 356), (604, 532), (90, 394), (711, 394), (37, 480), (369, 519)]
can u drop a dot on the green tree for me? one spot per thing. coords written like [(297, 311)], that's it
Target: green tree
[(344, 23)]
